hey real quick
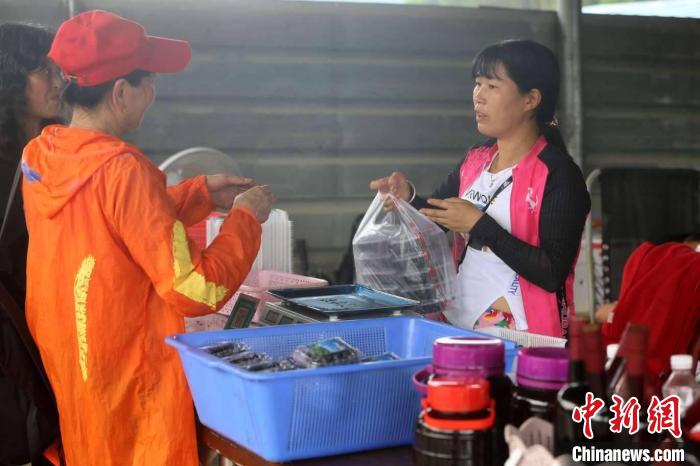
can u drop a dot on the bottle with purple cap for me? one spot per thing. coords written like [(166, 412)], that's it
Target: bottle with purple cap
[(540, 374), (474, 357)]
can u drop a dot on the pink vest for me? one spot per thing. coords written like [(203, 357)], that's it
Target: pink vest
[(529, 179)]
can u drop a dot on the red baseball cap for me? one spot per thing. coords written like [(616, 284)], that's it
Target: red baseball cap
[(96, 47)]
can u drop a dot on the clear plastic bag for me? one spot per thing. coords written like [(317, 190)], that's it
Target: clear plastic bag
[(330, 352), (402, 252), (225, 349)]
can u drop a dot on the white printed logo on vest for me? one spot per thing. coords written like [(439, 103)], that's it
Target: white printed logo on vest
[(531, 203)]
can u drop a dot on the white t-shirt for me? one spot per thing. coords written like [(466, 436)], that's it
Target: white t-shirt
[(483, 277)]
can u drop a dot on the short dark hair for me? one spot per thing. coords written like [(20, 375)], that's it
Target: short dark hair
[(90, 96), (530, 65)]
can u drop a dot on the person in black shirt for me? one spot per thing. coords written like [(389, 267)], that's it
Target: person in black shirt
[(30, 87), (524, 230), (30, 91)]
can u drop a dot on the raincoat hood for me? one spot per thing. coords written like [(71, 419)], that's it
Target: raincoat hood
[(61, 160)]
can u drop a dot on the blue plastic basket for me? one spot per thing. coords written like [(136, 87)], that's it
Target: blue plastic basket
[(307, 413)]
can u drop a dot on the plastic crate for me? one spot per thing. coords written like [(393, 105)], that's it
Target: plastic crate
[(259, 281), (198, 231), (524, 339), (309, 413)]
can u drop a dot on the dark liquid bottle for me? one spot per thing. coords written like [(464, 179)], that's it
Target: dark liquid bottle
[(477, 356), (501, 390), (456, 427), (567, 433), (594, 360), (618, 366), (541, 373), (632, 384)]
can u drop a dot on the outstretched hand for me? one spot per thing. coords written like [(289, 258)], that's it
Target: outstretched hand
[(223, 189), (258, 200)]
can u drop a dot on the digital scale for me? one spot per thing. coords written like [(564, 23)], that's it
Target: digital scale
[(276, 313), (333, 303)]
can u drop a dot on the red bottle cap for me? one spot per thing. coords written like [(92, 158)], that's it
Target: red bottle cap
[(458, 395)]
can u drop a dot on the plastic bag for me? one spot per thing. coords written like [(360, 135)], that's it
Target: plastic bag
[(225, 349), (330, 352), (402, 252)]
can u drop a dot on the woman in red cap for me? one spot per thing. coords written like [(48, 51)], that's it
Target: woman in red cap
[(110, 269)]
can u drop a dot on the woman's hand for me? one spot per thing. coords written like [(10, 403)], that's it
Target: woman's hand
[(223, 189), (453, 213), (259, 200), (605, 312), (396, 184)]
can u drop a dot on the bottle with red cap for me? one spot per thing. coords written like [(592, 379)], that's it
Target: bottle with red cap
[(636, 335), (594, 360), (632, 381), (540, 374), (457, 423), (567, 433), (474, 357)]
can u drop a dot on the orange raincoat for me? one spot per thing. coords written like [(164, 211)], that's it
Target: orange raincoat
[(110, 274)]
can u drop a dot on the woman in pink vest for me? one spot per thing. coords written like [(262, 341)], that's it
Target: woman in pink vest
[(517, 203)]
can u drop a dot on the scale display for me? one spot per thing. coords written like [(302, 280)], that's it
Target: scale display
[(242, 312)]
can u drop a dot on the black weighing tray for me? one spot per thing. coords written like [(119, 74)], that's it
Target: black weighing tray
[(344, 300)]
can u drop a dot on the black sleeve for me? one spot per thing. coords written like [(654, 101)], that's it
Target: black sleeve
[(448, 188), (565, 205), (13, 245)]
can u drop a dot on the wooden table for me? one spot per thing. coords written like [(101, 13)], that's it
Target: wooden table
[(400, 456)]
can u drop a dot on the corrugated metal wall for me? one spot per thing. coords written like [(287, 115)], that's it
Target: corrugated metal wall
[(317, 99), (46, 12), (641, 91)]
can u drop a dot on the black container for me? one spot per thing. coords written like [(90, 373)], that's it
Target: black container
[(594, 359), (567, 433), (541, 373), (527, 403), (488, 361), (456, 427), (453, 448)]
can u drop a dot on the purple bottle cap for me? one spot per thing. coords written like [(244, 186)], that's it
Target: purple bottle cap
[(469, 354), (543, 368)]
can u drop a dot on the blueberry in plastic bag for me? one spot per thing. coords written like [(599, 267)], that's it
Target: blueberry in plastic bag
[(389, 356), (263, 366), (280, 365), (286, 364), (258, 362), (245, 357), (419, 255), (225, 349), (328, 352)]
